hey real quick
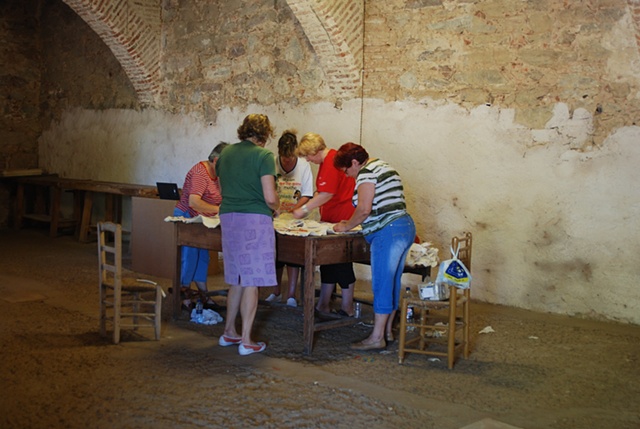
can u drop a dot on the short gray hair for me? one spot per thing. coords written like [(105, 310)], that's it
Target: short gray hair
[(215, 153)]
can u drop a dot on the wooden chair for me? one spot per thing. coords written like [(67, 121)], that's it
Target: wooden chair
[(440, 328), (124, 298)]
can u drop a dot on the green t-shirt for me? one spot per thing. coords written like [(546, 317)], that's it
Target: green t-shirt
[(239, 169)]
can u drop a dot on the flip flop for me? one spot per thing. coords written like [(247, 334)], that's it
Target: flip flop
[(225, 341), (342, 313), (326, 316), (247, 349)]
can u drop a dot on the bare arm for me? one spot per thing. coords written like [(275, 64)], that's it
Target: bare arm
[(269, 192), (196, 203), (319, 199), (302, 201), (366, 192)]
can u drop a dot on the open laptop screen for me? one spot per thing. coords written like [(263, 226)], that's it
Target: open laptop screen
[(168, 191)]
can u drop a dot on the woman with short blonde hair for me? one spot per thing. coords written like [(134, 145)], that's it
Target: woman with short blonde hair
[(310, 144)]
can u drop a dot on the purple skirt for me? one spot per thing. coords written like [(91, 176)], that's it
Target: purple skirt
[(248, 249)]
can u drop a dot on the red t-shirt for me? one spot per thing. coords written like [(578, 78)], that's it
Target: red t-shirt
[(335, 182)]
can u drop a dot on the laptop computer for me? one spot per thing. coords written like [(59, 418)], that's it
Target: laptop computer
[(168, 191)]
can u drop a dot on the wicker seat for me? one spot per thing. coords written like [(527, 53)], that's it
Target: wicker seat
[(440, 328), (125, 302)]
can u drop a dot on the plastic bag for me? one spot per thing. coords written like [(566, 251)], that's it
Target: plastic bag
[(453, 272)]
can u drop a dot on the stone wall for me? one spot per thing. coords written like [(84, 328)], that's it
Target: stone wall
[(523, 55), (235, 54), (20, 88), (513, 120), (20, 82), (78, 69)]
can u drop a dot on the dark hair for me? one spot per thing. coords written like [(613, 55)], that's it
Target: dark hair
[(287, 144), (256, 125), (347, 153)]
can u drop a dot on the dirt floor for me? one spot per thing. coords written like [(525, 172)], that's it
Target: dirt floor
[(534, 370)]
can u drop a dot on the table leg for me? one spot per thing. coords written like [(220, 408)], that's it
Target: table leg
[(56, 194), (19, 207), (85, 222), (78, 202), (309, 298), (177, 304)]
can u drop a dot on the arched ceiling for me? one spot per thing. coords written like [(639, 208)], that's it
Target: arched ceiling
[(131, 29)]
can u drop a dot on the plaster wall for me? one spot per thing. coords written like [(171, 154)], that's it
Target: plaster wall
[(553, 227), (514, 120)]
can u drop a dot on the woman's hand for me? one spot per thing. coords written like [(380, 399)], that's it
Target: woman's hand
[(341, 226), (299, 213)]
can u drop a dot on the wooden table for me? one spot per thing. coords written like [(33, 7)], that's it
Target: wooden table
[(83, 192), (306, 251), (42, 207)]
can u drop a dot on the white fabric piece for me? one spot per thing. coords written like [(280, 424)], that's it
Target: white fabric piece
[(209, 317), (209, 222), (422, 255)]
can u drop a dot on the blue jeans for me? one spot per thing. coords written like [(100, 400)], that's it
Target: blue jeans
[(389, 248), (195, 261)]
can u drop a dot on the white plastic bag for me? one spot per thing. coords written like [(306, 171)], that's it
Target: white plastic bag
[(453, 272), (208, 317)]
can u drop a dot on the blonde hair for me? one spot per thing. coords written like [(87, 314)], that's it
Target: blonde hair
[(256, 125), (310, 144)]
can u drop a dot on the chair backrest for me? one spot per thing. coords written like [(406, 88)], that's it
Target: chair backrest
[(110, 253), (464, 254)]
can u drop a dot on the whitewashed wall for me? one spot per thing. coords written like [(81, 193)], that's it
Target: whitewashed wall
[(555, 229)]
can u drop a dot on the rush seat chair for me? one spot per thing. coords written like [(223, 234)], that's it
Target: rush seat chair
[(440, 328), (125, 302)]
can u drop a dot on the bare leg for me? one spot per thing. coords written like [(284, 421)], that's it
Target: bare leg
[(276, 294), (347, 299), (202, 290), (379, 325), (185, 291), (234, 297), (326, 290), (248, 308), (292, 273), (202, 286), (389, 325)]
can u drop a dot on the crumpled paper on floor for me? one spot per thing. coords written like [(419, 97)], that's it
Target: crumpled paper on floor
[(208, 317)]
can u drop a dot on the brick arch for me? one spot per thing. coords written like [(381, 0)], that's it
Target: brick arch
[(335, 29), (132, 31)]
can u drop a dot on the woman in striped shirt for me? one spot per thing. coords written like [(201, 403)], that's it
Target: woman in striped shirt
[(388, 228), (200, 196)]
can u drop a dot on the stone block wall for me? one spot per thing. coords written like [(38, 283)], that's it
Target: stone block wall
[(522, 55), (515, 120), (20, 80), (234, 54)]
